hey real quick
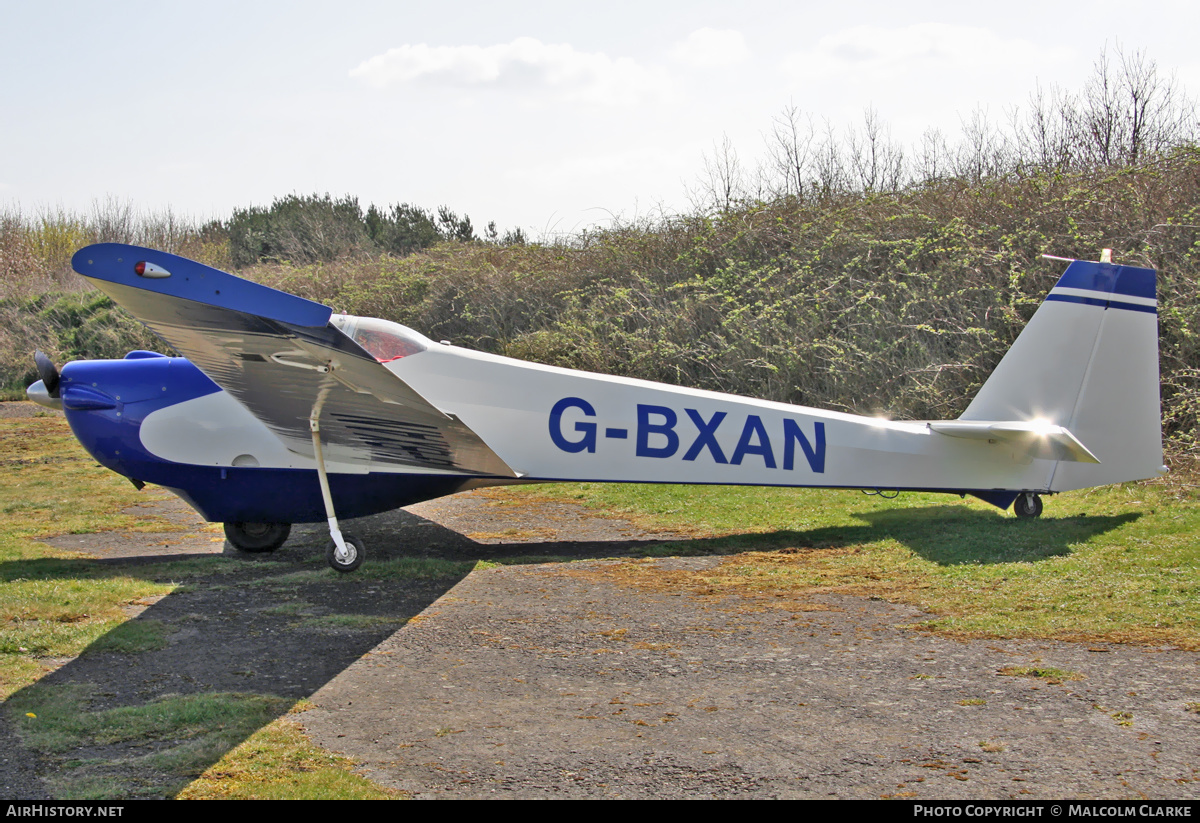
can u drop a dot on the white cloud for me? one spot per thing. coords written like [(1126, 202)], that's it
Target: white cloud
[(711, 48), (524, 65), (925, 74), (638, 162), (925, 50)]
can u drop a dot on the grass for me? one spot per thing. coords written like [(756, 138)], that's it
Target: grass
[(52, 605), (167, 747), (522, 560), (56, 604), (134, 637), (49, 485), (148, 750), (400, 568), (279, 763), (1118, 564)]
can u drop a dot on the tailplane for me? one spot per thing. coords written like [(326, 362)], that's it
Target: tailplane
[(1087, 363)]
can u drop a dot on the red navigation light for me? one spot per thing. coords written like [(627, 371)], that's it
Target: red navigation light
[(144, 269)]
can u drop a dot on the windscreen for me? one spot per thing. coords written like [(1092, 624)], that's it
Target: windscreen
[(383, 339)]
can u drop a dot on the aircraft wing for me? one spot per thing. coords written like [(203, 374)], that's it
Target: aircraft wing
[(281, 358)]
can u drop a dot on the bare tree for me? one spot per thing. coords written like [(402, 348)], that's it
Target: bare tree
[(829, 165), (723, 184), (113, 220), (1125, 112), (789, 148), (984, 152), (1047, 137), (1131, 111), (933, 159), (877, 162)]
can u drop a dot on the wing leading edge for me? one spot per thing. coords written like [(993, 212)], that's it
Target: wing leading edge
[(281, 358)]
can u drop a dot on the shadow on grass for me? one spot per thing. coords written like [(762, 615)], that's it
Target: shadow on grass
[(946, 535), (154, 702)]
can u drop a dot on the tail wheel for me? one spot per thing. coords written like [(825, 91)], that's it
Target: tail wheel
[(355, 552), (257, 537), (1028, 504)]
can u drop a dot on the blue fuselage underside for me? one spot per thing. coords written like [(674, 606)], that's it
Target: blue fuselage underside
[(105, 402)]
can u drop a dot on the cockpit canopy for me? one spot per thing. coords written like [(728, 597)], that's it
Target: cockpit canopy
[(383, 339)]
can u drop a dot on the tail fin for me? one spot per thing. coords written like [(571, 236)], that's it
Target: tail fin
[(1088, 362)]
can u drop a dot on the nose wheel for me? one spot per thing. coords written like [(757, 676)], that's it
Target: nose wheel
[(1028, 504), (348, 556)]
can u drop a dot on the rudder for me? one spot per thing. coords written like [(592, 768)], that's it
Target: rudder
[(1088, 361)]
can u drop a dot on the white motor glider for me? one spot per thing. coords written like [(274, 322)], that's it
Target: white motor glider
[(280, 411)]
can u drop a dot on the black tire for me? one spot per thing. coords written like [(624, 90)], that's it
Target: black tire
[(1028, 504), (357, 552), (257, 537)]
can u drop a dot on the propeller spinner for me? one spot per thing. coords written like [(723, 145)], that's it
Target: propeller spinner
[(45, 391)]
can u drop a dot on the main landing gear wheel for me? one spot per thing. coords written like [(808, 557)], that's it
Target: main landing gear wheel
[(355, 551), (257, 537), (1028, 504)]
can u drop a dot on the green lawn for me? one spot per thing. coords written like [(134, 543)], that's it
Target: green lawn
[(1121, 563)]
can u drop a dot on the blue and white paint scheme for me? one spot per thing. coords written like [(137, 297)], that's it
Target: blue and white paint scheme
[(281, 411)]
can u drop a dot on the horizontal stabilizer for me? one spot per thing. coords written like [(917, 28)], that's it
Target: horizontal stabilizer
[(1041, 440)]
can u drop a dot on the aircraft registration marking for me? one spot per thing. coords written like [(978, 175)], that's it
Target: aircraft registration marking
[(659, 435)]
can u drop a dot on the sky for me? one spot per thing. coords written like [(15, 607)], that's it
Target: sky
[(551, 117)]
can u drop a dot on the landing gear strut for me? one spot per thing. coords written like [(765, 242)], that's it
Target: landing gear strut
[(1028, 504), (345, 553)]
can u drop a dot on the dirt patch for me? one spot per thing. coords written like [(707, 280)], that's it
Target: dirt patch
[(24, 408), (191, 537), (556, 680), (536, 683)]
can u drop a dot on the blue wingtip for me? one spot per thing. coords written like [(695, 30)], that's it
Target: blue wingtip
[(176, 276)]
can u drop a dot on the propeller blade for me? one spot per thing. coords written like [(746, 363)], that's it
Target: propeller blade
[(48, 373)]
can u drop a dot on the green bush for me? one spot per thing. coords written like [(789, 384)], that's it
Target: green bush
[(899, 303)]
